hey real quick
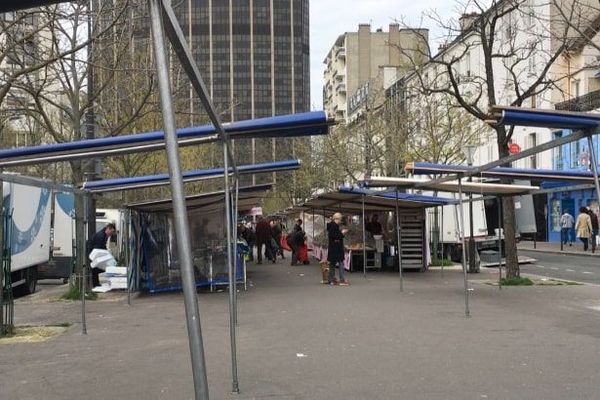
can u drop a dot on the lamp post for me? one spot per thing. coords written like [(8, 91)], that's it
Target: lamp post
[(469, 151)]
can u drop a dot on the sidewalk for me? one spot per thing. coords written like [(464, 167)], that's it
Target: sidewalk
[(300, 340), (546, 247)]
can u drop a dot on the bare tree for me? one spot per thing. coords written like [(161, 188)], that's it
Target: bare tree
[(501, 54)]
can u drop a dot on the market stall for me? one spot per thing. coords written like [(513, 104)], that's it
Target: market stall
[(363, 249), (157, 259)]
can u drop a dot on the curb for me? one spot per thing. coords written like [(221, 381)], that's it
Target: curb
[(564, 253)]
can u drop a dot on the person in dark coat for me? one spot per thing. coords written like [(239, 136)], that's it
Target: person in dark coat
[(296, 240), (263, 238), (595, 227), (335, 254), (99, 241), (276, 233)]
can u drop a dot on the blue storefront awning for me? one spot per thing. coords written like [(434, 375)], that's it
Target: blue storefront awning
[(138, 182), (294, 125), (424, 168), (544, 118)]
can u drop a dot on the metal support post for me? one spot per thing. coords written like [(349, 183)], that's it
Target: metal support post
[(231, 259), (235, 252), (82, 247), (464, 253), (179, 207), (595, 171), (500, 243), (364, 231), (442, 241), (399, 244)]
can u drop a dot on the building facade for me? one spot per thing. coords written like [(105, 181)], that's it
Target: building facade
[(356, 62), (254, 58)]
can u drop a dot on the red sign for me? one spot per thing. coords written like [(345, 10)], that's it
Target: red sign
[(514, 148)]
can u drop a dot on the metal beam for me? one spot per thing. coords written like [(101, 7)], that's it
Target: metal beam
[(177, 39), (505, 160), (26, 180)]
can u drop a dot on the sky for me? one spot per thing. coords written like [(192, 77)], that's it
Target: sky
[(331, 18)]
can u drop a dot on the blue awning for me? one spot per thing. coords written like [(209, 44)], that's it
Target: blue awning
[(138, 182), (545, 118), (392, 194), (303, 124), (10, 5), (424, 168)]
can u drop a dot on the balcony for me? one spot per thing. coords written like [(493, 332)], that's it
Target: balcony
[(340, 87), (340, 52), (587, 102)]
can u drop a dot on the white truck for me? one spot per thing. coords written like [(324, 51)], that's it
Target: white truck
[(27, 232), (62, 237), (448, 218)]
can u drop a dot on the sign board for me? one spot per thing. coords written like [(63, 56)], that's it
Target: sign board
[(514, 148), (256, 211)]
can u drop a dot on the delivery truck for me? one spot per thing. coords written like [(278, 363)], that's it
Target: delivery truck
[(28, 212)]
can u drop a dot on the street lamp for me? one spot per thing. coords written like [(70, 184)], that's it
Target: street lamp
[(469, 151)]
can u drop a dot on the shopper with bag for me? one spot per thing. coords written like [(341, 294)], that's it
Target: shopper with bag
[(263, 238)]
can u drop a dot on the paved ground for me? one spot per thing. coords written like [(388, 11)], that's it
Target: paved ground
[(298, 339), (546, 247), (563, 266)]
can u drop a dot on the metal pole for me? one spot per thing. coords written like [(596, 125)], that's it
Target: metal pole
[(231, 259), (83, 267), (464, 253), (442, 240), (235, 233), (2, 257), (595, 171), (179, 207), (399, 244), (364, 239), (500, 243)]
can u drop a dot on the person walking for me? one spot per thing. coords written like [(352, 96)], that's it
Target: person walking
[(263, 237), (594, 220), (276, 233), (583, 227), (566, 225), (99, 241), (296, 239), (335, 253)]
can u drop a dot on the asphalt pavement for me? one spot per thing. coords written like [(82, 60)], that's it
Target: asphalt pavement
[(572, 267), (298, 339)]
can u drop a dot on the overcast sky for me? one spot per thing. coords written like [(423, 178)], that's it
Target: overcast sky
[(331, 18)]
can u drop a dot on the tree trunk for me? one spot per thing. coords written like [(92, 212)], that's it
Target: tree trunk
[(508, 210)]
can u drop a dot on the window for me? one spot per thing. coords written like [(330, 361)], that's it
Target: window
[(575, 88)]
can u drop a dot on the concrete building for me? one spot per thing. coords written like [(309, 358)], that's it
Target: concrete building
[(356, 60)]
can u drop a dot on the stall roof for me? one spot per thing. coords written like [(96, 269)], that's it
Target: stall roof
[(450, 186), (424, 168), (138, 182), (10, 5), (248, 197), (348, 199), (544, 118), (303, 124)]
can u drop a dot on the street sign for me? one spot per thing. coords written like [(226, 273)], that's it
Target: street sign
[(514, 148)]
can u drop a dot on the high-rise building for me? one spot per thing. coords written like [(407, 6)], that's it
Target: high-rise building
[(254, 58)]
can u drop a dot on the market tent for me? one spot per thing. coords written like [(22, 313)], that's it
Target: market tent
[(350, 199), (451, 186), (544, 118), (248, 197), (424, 168), (138, 182), (293, 125)]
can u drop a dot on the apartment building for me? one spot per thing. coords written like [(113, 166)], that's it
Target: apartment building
[(356, 61)]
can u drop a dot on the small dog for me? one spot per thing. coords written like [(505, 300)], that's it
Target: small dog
[(324, 271)]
